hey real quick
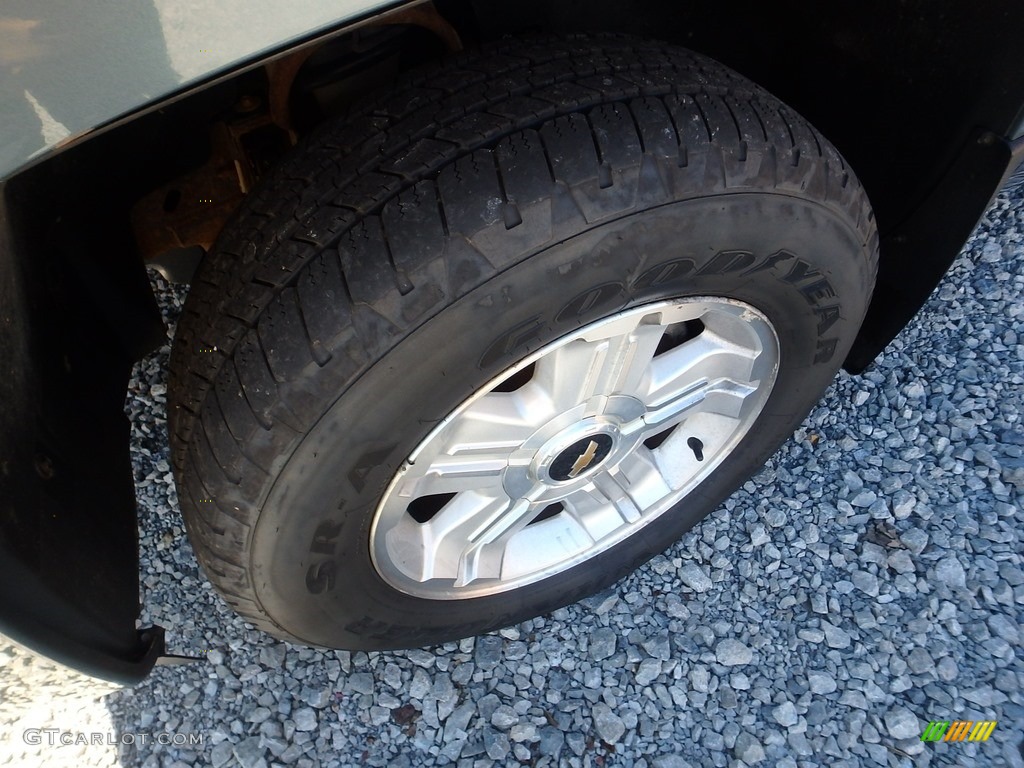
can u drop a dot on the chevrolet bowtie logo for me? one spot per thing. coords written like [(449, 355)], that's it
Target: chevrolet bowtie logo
[(584, 460)]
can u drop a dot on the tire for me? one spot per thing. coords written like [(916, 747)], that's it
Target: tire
[(401, 262)]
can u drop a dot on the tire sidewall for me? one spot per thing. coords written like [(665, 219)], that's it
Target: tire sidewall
[(798, 262)]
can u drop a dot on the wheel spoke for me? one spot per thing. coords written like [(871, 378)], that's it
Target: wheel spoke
[(482, 558), (474, 449), (706, 374), (432, 549), (454, 475), (512, 415), (614, 487), (601, 508), (586, 369), (619, 495), (464, 541), (724, 397), (708, 357)]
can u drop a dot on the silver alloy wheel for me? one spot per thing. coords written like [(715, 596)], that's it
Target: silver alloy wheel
[(575, 448)]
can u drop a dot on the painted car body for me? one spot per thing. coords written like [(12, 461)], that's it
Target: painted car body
[(67, 68)]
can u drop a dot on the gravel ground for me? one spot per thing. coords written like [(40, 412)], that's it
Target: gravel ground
[(867, 581)]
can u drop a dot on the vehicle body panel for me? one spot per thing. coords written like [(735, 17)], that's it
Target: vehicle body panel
[(68, 523), (66, 68)]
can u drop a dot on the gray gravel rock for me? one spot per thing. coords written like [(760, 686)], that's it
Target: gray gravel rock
[(420, 658), (551, 742), (361, 682), (700, 676), (947, 669), (901, 723), (258, 715), (1002, 626), (821, 682), (785, 714), (950, 572), (695, 578), (420, 685), (648, 671), (733, 653), (221, 753), (249, 751), (504, 717), (305, 719), (488, 652), (866, 583), (748, 749), (523, 732), (497, 745), (458, 720), (985, 696), (919, 661), (671, 761), (602, 643), (835, 636), (607, 724), (659, 645), (915, 540), (272, 656)]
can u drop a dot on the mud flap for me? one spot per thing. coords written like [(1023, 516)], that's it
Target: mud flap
[(69, 563)]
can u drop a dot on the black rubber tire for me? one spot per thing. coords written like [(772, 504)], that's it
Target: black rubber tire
[(398, 260)]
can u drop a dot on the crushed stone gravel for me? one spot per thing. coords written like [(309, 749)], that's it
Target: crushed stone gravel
[(868, 580)]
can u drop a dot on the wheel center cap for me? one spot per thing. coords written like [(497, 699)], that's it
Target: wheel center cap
[(583, 455)]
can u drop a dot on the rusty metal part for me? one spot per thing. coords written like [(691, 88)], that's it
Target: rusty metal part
[(427, 16), (248, 103), (280, 78), (191, 209), (281, 72)]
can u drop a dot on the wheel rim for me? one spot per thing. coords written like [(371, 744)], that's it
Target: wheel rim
[(575, 448)]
